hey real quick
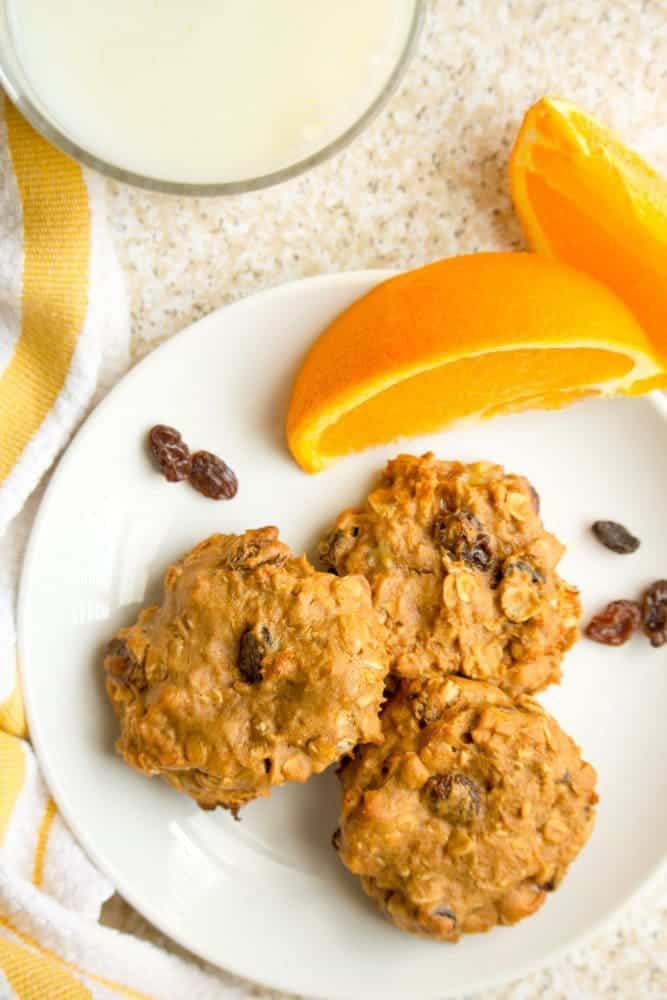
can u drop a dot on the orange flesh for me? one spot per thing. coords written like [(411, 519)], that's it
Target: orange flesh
[(487, 385), (577, 238)]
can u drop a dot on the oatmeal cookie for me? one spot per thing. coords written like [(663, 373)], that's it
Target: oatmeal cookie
[(462, 571), (254, 671), (468, 813)]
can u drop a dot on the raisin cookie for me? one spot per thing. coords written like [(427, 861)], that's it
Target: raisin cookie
[(255, 670), (462, 571), (468, 813)]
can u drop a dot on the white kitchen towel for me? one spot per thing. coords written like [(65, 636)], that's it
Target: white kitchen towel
[(64, 330)]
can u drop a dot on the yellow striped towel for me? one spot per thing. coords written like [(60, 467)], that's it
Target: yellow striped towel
[(63, 339)]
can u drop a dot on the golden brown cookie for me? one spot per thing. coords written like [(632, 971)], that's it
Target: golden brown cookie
[(469, 813), (254, 671), (462, 571)]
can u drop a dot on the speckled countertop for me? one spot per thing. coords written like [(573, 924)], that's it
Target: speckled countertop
[(427, 180)]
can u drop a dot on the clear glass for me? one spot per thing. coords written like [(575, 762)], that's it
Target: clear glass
[(20, 91)]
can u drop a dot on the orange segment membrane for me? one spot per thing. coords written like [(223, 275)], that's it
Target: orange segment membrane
[(481, 386)]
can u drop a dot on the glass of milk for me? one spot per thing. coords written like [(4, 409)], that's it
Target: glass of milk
[(204, 96)]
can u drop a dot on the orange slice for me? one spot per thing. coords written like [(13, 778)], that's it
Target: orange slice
[(465, 337), (586, 199)]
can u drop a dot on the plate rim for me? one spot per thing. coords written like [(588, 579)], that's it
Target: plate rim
[(351, 278)]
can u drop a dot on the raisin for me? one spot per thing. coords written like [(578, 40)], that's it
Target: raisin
[(615, 624), (549, 886), (454, 797), (252, 651), (654, 613), (445, 911), (244, 557), (479, 556), (519, 594), (250, 556), (335, 839), (390, 687), (335, 548), (424, 712), (615, 537), (213, 477), (234, 810), (463, 537), (122, 666), (327, 551), (523, 566), (118, 650), (170, 452)]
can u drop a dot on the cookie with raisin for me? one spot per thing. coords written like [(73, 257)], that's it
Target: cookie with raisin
[(463, 573), (254, 671), (469, 813)]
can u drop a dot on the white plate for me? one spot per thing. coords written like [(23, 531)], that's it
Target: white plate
[(267, 897)]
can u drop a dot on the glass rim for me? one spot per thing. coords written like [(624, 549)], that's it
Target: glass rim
[(58, 138)]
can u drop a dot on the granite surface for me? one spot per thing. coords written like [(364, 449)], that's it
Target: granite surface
[(427, 179)]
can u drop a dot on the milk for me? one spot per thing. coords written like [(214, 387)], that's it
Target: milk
[(207, 90)]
